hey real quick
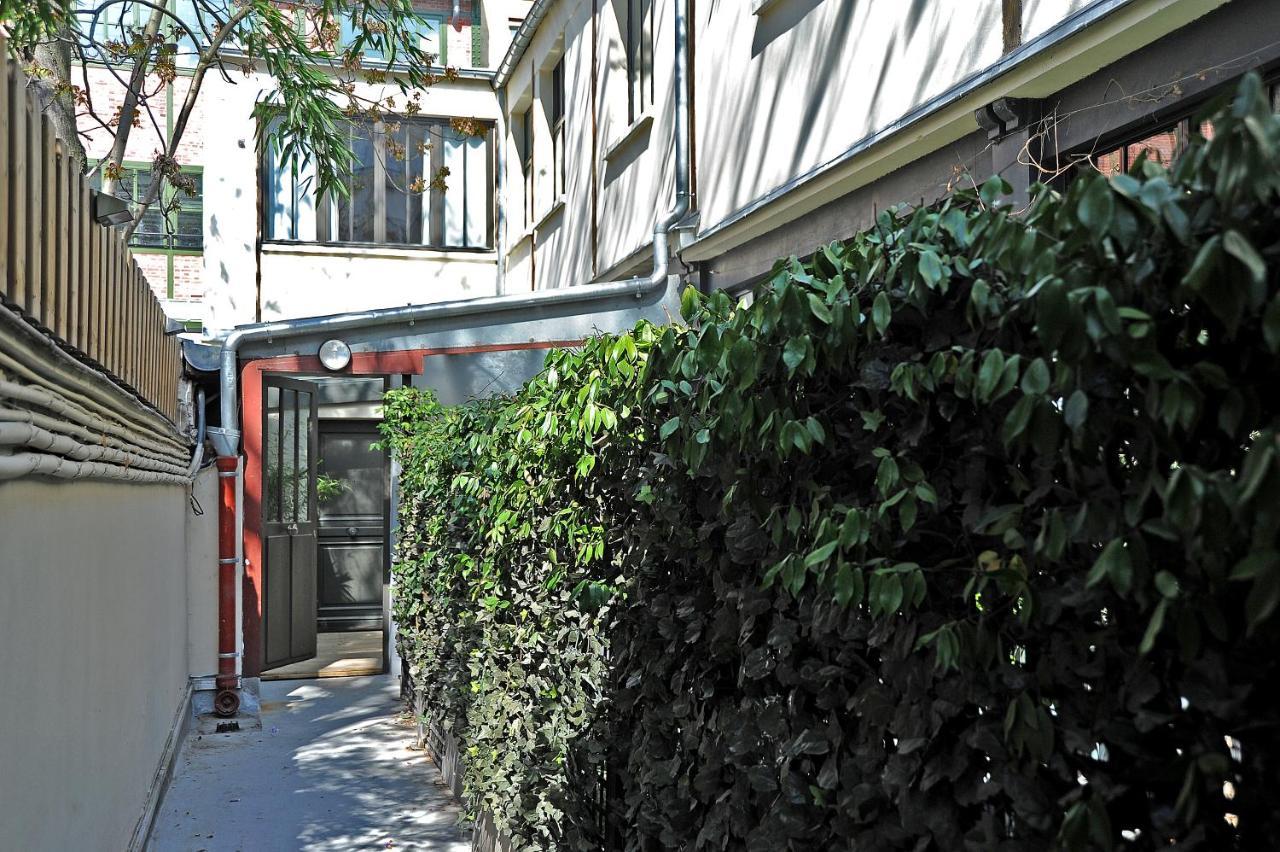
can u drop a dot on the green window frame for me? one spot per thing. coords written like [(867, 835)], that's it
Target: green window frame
[(180, 229), (164, 236)]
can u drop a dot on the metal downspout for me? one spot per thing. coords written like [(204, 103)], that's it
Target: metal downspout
[(226, 439), (227, 700)]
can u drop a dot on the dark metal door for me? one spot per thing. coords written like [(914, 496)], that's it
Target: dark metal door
[(353, 525), (289, 521)]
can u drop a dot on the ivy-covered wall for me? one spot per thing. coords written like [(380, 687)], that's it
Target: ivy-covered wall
[(963, 535)]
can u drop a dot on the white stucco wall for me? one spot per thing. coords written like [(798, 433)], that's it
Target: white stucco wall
[(310, 280), (303, 280), (783, 92), (94, 647), (1038, 16), (632, 170)]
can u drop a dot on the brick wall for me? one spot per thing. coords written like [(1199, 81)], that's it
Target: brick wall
[(144, 140)]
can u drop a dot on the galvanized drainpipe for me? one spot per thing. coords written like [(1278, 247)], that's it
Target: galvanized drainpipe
[(226, 438)]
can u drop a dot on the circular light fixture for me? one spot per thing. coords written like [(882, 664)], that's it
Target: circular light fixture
[(335, 355)]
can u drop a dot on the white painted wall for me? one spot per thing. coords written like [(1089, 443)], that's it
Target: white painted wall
[(1038, 16), (312, 280), (785, 91), (777, 95), (94, 647)]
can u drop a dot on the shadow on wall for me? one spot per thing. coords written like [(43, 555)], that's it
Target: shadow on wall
[(805, 49)]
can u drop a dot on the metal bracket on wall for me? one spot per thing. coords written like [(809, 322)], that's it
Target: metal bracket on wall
[(1002, 117)]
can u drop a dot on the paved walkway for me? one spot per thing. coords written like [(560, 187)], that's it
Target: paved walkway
[(331, 770)]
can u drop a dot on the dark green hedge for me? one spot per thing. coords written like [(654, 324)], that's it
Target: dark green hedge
[(962, 535)]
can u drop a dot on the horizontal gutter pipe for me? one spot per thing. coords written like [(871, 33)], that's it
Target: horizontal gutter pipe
[(30, 436), (77, 430), (19, 465)]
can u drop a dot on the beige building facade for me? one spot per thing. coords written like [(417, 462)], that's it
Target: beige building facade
[(808, 116)]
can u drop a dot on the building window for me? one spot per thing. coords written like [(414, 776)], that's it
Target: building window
[(175, 220), (524, 142), (428, 29), (113, 28), (414, 182), (637, 31), (557, 129), (1162, 146)]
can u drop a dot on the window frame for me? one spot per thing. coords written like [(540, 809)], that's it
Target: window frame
[(133, 168), (1178, 120), (525, 123), (347, 28), (559, 152), (637, 37), (327, 214)]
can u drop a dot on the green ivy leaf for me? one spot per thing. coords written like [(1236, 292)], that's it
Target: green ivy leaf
[(1035, 381), (1076, 411), (881, 312), (819, 309), (1113, 564), (1097, 206)]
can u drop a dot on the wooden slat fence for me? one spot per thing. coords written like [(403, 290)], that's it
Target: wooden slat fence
[(64, 272)]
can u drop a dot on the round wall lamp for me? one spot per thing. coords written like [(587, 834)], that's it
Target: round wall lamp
[(335, 355)]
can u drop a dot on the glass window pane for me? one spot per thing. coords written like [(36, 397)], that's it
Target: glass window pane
[(304, 456), (428, 30), (272, 455), (356, 217), (455, 189), (1159, 147), (395, 159), (288, 449), (418, 164), (189, 217), (476, 188), (1110, 163)]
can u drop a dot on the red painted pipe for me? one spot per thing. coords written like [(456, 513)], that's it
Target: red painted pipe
[(227, 700)]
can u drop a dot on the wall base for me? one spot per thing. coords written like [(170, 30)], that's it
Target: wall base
[(164, 773)]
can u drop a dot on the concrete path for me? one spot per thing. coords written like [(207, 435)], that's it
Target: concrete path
[(331, 770)]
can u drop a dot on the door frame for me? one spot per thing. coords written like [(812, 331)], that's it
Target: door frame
[(345, 424), (289, 381), (401, 365)]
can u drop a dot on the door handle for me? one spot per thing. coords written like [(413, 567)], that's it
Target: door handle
[(352, 531)]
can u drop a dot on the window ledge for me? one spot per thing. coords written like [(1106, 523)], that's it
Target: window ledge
[(638, 128), (464, 255), (556, 207)]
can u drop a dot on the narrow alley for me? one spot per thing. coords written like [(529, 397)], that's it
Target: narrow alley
[(332, 770)]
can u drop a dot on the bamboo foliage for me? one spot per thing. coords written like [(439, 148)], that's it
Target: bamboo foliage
[(75, 279)]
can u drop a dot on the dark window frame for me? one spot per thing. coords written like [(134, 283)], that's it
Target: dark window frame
[(559, 153), (637, 35), (525, 124), (435, 130), (1122, 143)]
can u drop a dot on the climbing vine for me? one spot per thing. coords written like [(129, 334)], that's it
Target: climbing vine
[(965, 533)]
